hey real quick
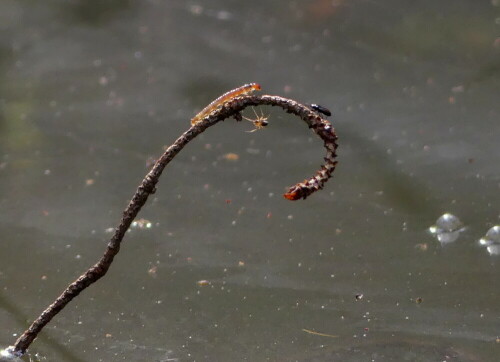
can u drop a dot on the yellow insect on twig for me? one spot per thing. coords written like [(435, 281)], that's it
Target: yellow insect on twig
[(226, 97)]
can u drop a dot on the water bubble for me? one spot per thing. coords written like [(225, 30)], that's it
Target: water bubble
[(492, 240), (449, 222), (447, 229), (491, 237)]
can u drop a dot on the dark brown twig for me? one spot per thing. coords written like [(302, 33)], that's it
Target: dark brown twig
[(232, 108)]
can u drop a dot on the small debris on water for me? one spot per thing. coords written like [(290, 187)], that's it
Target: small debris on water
[(142, 224), (422, 246), (231, 157), (318, 333), (153, 271)]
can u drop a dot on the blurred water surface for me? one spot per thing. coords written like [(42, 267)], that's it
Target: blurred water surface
[(90, 93)]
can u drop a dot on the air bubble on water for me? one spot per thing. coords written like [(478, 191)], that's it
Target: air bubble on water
[(448, 222), (492, 240), (492, 236), (447, 229)]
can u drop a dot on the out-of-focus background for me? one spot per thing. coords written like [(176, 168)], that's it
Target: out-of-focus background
[(221, 267)]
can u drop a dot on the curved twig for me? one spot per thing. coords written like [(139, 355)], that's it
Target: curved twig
[(232, 108)]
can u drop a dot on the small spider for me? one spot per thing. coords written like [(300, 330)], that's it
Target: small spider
[(259, 122)]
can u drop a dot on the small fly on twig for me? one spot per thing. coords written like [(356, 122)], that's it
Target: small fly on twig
[(321, 109)]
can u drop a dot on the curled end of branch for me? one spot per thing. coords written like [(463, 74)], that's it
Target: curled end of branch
[(313, 119), (295, 193)]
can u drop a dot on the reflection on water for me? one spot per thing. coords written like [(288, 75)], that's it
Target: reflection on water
[(91, 92)]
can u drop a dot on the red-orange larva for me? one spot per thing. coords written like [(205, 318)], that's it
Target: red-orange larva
[(244, 89)]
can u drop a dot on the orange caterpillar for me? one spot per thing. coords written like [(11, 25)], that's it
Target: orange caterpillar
[(244, 89)]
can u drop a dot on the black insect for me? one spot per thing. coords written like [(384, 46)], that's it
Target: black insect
[(321, 109)]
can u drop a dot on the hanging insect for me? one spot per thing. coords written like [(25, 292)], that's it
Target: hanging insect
[(259, 122), (321, 109), (244, 89)]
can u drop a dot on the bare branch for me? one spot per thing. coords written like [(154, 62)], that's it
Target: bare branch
[(231, 108)]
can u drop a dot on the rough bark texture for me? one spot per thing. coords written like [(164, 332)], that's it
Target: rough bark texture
[(232, 108)]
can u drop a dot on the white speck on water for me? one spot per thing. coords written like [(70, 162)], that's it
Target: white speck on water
[(103, 81), (196, 9), (253, 151), (223, 15)]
